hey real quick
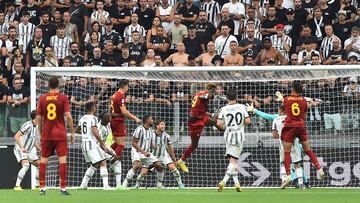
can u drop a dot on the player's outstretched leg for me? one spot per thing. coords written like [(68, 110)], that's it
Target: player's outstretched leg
[(159, 175), (88, 174), (195, 136), (313, 159), (141, 177)]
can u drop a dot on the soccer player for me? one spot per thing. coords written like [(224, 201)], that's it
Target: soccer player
[(25, 149), (277, 125), (115, 164), (118, 115), (294, 126), (51, 110), (161, 144), (142, 143), (199, 117), (234, 117), (93, 147)]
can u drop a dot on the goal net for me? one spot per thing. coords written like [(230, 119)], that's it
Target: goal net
[(166, 93)]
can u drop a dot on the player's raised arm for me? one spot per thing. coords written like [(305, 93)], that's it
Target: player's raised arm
[(129, 115)]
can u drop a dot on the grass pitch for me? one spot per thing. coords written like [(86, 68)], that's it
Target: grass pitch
[(186, 196)]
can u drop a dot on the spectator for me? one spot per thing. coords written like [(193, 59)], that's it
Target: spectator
[(94, 42), (206, 58), (353, 60), (145, 14), (48, 28), (357, 21), (150, 59), (250, 61), (57, 18), (159, 43), (35, 49), (110, 57), (79, 16), (112, 35), (300, 12), (12, 18), (269, 24), (306, 36), (95, 27), (153, 32), (60, 43), (81, 94), (50, 59), (280, 11), (225, 20), (292, 28), (99, 15), (163, 93), (125, 56), (177, 33), (67, 62), (108, 5), (102, 95), (178, 59), (217, 60), (304, 57), (251, 23), (194, 44), (250, 45), (134, 26), (3, 26), (3, 101), (136, 47), (237, 13), (309, 6), (96, 59), (222, 43), (189, 13), (26, 31), (342, 28), (75, 58), (318, 23), (281, 42), (120, 16), (233, 58), (327, 42), (211, 12), (328, 11), (204, 28), (132, 63), (33, 10), (294, 59), (337, 55), (166, 13), (332, 106), (352, 44), (351, 95), (315, 59), (250, 16), (349, 9), (71, 29), (18, 98), (158, 61), (14, 58), (269, 54)]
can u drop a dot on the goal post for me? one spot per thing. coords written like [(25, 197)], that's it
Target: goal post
[(165, 92)]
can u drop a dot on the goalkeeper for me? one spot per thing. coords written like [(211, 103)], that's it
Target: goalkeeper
[(297, 171)]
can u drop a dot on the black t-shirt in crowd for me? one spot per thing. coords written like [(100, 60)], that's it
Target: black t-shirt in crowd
[(349, 10), (301, 15), (111, 59), (338, 54), (137, 51), (3, 92), (281, 14), (124, 62), (98, 62), (270, 24), (193, 46), (205, 31), (35, 13), (160, 41), (229, 23), (188, 13), (292, 29), (77, 16), (254, 51), (37, 51), (342, 31), (145, 17), (49, 30), (77, 60), (119, 14), (113, 36)]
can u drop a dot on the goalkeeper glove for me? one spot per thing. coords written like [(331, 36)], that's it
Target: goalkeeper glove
[(250, 108), (280, 96)]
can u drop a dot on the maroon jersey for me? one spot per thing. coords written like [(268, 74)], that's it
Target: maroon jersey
[(199, 104), (295, 108), (117, 100), (52, 106)]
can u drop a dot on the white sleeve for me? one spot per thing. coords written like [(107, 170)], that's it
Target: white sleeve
[(136, 133), (274, 125), (168, 139), (94, 122), (221, 114), (25, 127), (246, 114)]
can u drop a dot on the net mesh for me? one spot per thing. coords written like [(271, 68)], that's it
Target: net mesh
[(332, 122)]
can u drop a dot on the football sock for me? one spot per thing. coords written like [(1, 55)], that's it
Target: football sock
[(21, 174), (313, 159), (63, 174), (176, 175), (42, 172), (117, 172), (104, 175), (88, 174), (287, 161), (187, 152)]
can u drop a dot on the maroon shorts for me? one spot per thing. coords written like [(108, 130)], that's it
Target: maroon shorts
[(288, 134), (118, 128), (48, 148), (196, 125)]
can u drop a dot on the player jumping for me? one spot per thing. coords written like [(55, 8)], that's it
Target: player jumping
[(25, 149), (294, 126), (234, 116), (199, 117), (93, 147), (51, 109), (118, 115)]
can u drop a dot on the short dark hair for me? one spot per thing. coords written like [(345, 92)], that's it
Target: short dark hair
[(122, 83), (297, 87), (89, 106), (231, 94), (158, 121), (145, 118), (54, 82), (282, 108), (33, 114), (103, 115)]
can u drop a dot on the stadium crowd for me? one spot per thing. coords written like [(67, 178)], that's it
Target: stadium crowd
[(154, 33)]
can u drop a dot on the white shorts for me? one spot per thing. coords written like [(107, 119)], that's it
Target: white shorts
[(233, 150), (147, 161), (94, 155), (295, 152), (166, 159), (31, 156), (107, 156), (134, 155)]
